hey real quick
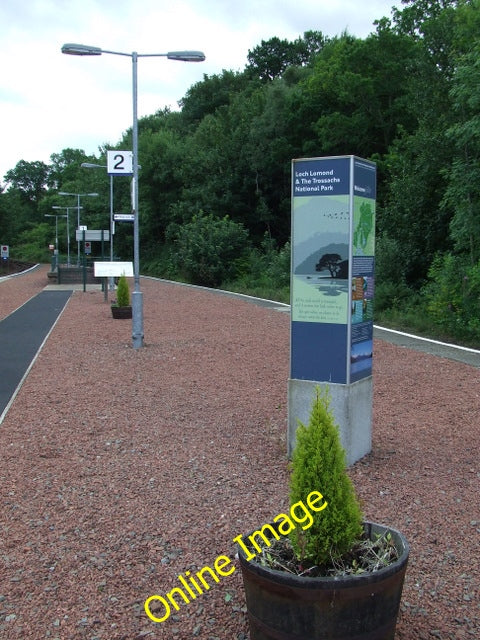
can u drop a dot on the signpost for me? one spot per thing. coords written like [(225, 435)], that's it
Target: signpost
[(112, 270), (332, 288), (4, 255)]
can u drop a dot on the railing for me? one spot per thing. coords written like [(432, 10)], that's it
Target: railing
[(80, 274)]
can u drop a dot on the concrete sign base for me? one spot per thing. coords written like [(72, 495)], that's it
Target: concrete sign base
[(351, 406)]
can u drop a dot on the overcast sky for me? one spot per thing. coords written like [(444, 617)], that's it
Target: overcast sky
[(51, 101)]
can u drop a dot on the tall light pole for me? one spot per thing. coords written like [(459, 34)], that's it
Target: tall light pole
[(91, 165), (185, 56), (67, 216), (78, 207), (52, 215)]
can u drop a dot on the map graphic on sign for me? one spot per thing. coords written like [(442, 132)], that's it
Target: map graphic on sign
[(364, 227)]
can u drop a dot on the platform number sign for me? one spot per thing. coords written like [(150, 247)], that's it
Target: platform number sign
[(120, 163)]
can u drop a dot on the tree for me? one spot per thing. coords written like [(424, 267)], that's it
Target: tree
[(318, 464), (161, 157), (213, 92), (330, 261), (268, 150), (66, 167), (29, 178), (462, 194), (355, 97), (412, 212), (271, 58)]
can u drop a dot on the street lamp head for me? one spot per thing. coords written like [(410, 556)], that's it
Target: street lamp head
[(186, 56), (86, 50), (67, 193), (81, 50)]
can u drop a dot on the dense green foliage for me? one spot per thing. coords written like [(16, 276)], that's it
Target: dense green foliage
[(218, 171), (207, 249), (319, 464)]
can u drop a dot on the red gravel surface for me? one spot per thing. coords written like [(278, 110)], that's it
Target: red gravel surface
[(122, 469)]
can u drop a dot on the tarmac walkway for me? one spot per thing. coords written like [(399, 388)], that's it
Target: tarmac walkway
[(22, 334)]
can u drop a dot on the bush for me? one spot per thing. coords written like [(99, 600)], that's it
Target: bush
[(391, 295), (389, 261), (453, 296), (319, 464), (209, 250), (123, 292), (265, 272)]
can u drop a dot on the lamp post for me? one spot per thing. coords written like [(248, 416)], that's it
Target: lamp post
[(185, 56), (67, 216), (56, 216), (91, 165), (78, 207)]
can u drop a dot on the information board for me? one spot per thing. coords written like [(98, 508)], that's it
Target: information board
[(332, 273)]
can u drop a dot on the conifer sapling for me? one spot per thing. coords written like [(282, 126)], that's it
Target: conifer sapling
[(123, 292), (319, 464)]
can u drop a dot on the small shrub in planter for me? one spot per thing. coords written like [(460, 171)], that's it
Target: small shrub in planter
[(121, 307), (318, 463), (123, 292), (336, 578)]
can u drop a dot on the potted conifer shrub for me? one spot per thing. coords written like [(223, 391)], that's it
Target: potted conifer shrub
[(121, 308), (328, 575)]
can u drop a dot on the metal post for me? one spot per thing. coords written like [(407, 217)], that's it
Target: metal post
[(56, 241), (68, 237), (78, 227), (84, 264), (112, 227), (137, 295)]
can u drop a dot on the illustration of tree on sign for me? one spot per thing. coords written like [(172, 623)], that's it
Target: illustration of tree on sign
[(330, 261)]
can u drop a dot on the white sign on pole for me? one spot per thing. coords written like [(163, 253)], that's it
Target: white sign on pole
[(112, 269), (120, 163), (124, 217), (93, 235), (5, 250)]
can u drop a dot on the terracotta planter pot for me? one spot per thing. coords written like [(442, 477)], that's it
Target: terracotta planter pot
[(121, 313), (282, 606)]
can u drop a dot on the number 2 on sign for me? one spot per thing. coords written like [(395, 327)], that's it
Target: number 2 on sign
[(119, 162)]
